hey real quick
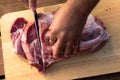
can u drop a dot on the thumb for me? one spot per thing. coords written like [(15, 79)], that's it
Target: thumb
[(52, 39)]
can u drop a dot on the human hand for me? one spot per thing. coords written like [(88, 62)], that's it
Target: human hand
[(65, 31)]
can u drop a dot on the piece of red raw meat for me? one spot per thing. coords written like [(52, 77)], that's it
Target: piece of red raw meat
[(24, 40), (16, 32)]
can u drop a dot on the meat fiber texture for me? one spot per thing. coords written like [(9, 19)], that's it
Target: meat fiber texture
[(24, 40)]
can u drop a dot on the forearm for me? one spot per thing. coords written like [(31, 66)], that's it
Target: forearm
[(74, 12), (84, 7)]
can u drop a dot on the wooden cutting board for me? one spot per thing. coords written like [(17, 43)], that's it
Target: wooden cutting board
[(106, 60), (1, 62)]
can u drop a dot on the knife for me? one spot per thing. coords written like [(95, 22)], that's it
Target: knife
[(38, 37), (31, 4)]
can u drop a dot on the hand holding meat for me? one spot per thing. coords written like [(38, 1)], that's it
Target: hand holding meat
[(65, 31), (68, 24)]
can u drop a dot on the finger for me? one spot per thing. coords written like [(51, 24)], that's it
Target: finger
[(52, 39), (68, 49), (76, 46), (45, 33), (59, 47)]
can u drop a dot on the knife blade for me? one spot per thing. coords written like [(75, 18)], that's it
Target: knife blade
[(38, 37)]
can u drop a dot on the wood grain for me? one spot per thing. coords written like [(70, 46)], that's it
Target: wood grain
[(107, 60), (1, 61)]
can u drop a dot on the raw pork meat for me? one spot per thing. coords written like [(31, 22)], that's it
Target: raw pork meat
[(24, 40)]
